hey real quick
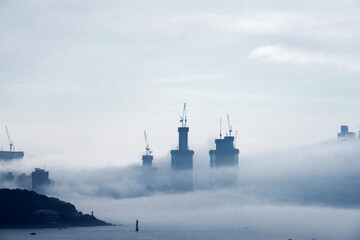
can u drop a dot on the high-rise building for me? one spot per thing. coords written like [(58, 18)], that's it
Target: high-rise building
[(224, 160), (225, 153), (182, 160)]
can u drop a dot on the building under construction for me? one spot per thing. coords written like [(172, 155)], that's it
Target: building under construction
[(148, 157), (182, 159), (12, 154), (224, 160), (225, 153), (148, 173)]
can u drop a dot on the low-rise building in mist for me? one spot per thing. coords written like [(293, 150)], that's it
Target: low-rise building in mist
[(24, 181), (344, 133), (7, 177), (40, 180)]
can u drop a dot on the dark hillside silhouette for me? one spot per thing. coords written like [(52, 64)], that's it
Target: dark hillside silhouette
[(23, 208)]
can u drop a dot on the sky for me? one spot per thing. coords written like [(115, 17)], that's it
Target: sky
[(86, 78), (80, 81)]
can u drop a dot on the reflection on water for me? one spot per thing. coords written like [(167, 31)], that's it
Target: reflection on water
[(128, 233)]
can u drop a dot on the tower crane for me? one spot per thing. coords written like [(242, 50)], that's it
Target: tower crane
[(235, 138), (10, 142), (183, 118), (147, 147), (230, 128), (220, 128)]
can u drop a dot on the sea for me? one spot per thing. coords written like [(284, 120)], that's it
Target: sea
[(147, 233)]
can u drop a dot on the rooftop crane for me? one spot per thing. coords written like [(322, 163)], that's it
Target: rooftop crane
[(147, 147), (230, 128), (183, 118), (235, 138), (220, 128), (10, 142)]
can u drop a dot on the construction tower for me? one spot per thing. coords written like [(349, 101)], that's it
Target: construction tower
[(148, 157), (182, 159)]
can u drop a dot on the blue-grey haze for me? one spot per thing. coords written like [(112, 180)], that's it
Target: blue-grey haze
[(80, 82)]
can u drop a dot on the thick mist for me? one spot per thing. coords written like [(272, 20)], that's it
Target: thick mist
[(296, 191), (322, 174)]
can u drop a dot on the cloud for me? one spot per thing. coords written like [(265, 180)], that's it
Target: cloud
[(323, 174), (280, 54), (289, 23)]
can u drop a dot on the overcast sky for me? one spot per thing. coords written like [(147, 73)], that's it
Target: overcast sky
[(81, 80), (86, 78)]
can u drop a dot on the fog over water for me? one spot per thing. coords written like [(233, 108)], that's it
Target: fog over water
[(325, 174), (306, 191)]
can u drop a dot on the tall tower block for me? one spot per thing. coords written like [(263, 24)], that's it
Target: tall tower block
[(182, 160), (183, 138)]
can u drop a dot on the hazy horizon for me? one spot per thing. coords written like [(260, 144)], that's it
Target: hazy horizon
[(81, 82)]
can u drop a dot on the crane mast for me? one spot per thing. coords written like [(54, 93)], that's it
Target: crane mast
[(183, 118), (10, 142), (220, 128), (235, 138), (147, 147), (230, 128)]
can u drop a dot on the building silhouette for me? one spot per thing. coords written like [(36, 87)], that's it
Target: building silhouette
[(148, 157), (39, 180), (9, 177), (147, 160), (182, 160), (225, 153), (345, 132), (148, 175), (224, 160), (24, 181)]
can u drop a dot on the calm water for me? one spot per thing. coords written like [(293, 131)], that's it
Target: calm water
[(127, 232)]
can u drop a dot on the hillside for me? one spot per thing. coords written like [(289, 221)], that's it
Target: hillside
[(23, 208)]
